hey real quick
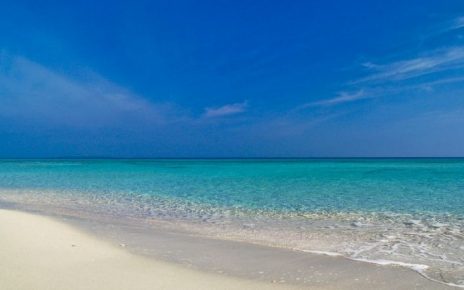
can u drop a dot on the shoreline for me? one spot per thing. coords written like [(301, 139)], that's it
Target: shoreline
[(401, 212), (257, 264)]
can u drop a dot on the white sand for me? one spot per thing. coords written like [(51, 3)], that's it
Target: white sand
[(39, 253)]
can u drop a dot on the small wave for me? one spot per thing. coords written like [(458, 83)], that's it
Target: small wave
[(416, 267), (331, 254), (419, 268)]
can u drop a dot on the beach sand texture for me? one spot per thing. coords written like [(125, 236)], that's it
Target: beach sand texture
[(41, 253), (38, 253)]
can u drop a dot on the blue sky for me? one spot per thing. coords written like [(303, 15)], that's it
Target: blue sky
[(231, 78)]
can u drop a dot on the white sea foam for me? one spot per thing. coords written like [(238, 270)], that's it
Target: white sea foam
[(415, 267), (420, 268), (327, 253)]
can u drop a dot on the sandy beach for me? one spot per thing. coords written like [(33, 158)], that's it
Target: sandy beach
[(43, 253)]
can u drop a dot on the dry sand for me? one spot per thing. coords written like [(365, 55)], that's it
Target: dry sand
[(38, 253)]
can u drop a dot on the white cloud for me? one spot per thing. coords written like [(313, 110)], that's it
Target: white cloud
[(438, 66), (458, 23), (226, 110), (406, 69), (31, 91), (342, 97)]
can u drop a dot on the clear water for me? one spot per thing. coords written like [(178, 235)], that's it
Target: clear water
[(407, 211)]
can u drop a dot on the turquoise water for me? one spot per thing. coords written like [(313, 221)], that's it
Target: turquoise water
[(404, 210), (417, 185)]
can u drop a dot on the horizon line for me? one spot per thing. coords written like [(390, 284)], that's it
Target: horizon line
[(226, 158)]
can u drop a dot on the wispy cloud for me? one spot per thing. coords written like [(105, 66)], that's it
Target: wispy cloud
[(226, 110), (342, 97), (383, 78), (457, 23), (31, 91), (429, 68), (437, 61)]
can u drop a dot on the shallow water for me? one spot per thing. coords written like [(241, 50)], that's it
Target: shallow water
[(403, 211)]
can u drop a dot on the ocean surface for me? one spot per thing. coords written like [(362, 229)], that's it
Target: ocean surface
[(408, 212)]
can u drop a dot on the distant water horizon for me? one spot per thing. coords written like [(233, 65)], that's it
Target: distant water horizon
[(405, 211), (227, 158)]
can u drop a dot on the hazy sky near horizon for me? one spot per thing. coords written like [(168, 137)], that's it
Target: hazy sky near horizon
[(231, 78)]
